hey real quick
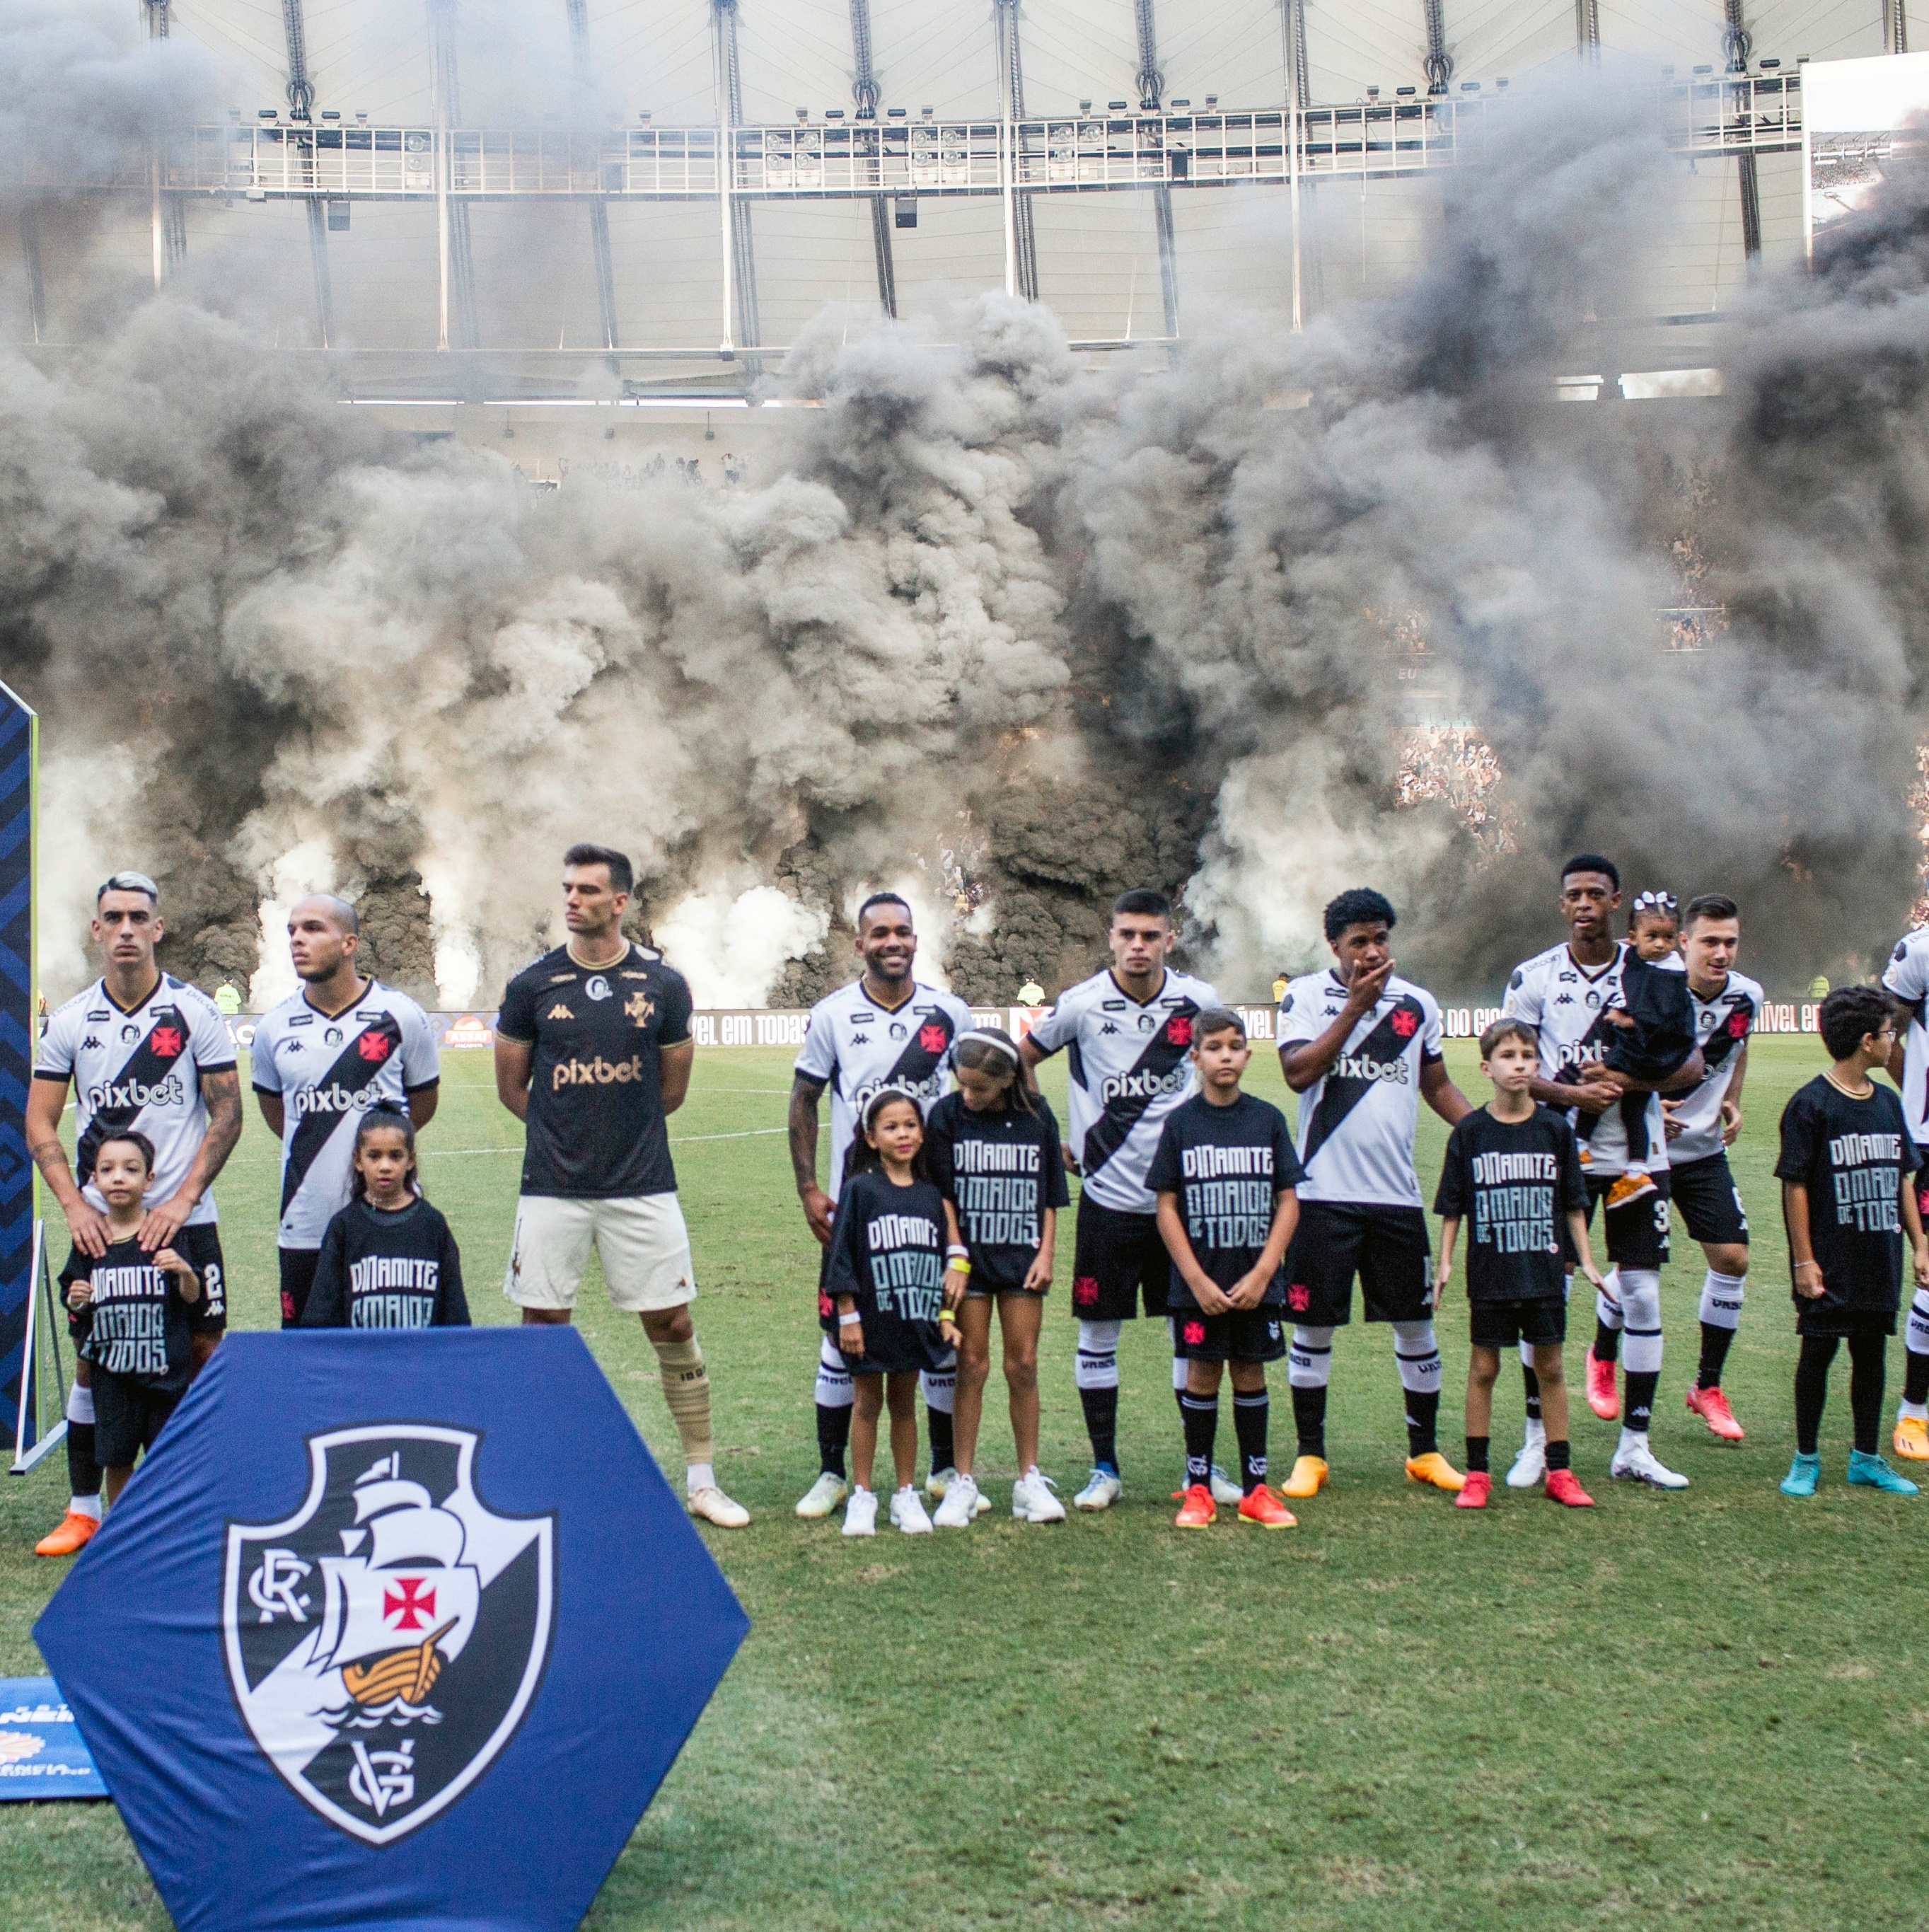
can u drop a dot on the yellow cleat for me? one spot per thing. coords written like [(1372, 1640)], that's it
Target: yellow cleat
[(1434, 1468), (1911, 1439), (1308, 1478), (1628, 1187)]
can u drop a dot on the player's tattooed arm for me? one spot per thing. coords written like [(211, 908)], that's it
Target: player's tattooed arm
[(819, 1208), (674, 1066), (46, 1100), (220, 1093)]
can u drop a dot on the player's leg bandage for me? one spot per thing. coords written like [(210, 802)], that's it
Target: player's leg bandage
[(1096, 1366), (686, 1393), (1641, 1321)]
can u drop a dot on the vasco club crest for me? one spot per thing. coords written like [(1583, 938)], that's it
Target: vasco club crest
[(384, 1642)]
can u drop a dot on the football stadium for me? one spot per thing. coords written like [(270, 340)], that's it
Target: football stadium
[(741, 741)]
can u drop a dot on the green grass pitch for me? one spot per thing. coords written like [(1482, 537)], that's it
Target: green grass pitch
[(1709, 1709)]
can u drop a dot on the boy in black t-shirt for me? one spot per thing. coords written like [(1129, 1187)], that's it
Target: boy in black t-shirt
[(1225, 1173), (137, 1314), (1846, 1160), (1512, 1174)]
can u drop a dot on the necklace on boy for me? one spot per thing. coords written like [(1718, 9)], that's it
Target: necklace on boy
[(1868, 1086)]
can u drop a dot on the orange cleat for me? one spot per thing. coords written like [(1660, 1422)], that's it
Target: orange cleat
[(1603, 1396), (1307, 1479), (1434, 1468), (1564, 1486), (1475, 1490), (1630, 1186), (1911, 1439), (1197, 1509), (1262, 1507), (1712, 1406), (75, 1532)]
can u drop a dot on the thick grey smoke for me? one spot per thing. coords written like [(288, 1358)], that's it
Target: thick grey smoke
[(1006, 633)]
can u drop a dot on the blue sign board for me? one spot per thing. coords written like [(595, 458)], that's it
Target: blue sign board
[(401, 1630), (41, 1755)]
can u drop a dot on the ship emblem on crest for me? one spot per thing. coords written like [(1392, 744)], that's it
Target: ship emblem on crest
[(383, 1643)]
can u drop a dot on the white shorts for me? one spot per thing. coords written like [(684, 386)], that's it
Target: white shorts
[(640, 1239)]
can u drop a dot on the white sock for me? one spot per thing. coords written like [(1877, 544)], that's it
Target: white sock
[(700, 1476), (86, 1506), (1905, 1412), (1632, 1438), (1536, 1432)]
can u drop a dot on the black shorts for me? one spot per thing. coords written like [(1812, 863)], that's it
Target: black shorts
[(1505, 1324), (298, 1277), (1119, 1264), (1841, 1323), (1385, 1246), (1637, 1231), (127, 1417), (200, 1248), (1710, 1202), (1245, 1335)]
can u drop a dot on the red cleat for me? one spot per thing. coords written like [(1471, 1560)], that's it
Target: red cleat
[(1474, 1490), (1564, 1486), (1712, 1406), (1197, 1509), (1262, 1507), (1603, 1397)]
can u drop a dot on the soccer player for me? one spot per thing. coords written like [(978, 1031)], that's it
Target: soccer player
[(593, 1054), (1565, 995), (1513, 1175), (337, 1045), (1848, 1197), (887, 1028), (144, 1052), (387, 1260), (1224, 1176), (1130, 1029), (1703, 1123), (1907, 977), (1361, 1047)]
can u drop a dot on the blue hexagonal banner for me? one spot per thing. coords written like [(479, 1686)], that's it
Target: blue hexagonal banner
[(395, 1630)]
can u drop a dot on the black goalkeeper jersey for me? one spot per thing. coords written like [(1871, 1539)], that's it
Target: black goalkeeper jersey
[(388, 1268)]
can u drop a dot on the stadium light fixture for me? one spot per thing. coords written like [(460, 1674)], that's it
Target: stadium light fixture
[(1704, 69), (1403, 92), (643, 114), (896, 113), (267, 114), (362, 117), (927, 111), (1212, 101), (833, 114), (330, 113), (1770, 66), (1372, 93), (1500, 80), (1084, 106), (1181, 101), (1470, 87)]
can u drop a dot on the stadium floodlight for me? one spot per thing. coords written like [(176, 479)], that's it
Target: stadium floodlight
[(927, 111), (267, 114), (897, 113), (833, 114), (1470, 87), (1704, 69), (1770, 66), (1212, 100), (362, 117), (1084, 106), (643, 114), (1115, 106), (330, 113), (1181, 100)]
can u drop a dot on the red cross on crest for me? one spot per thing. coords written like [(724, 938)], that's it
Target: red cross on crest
[(931, 1037), (373, 1047), (166, 1042), (1737, 1026), (410, 1604), (1179, 1030), (1404, 1023), (1194, 1334)]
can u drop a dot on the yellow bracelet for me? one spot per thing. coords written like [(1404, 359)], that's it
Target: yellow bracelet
[(958, 1267)]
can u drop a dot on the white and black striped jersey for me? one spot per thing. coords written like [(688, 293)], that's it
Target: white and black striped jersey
[(1906, 976), (329, 1072), (854, 1046), (1563, 1001), (1721, 1028), (1357, 1122), (1131, 1065), (140, 1069)]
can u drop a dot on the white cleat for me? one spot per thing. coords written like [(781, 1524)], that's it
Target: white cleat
[(822, 1497), (959, 1509), (907, 1512), (714, 1507), (1224, 1489), (1530, 1466), (1100, 1493), (860, 1513), (937, 1484), (1634, 1462), (1033, 1500)]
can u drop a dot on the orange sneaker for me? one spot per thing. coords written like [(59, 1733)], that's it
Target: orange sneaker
[(1628, 1187), (1307, 1479), (1197, 1509), (1262, 1507), (1475, 1490), (1434, 1468), (1603, 1396), (1564, 1486), (1911, 1439), (1712, 1406), (75, 1532)]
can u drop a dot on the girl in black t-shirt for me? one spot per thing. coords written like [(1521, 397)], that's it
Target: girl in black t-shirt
[(388, 1259), (995, 1155), (882, 1293)]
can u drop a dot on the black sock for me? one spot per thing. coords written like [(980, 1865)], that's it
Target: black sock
[(1867, 1367), (1915, 1377), (1606, 1341), (1811, 1389), (1714, 1346), (1251, 1413), (1101, 1407), (83, 1473), (1557, 1456), (1202, 1414), (833, 1438), (1310, 1421), (938, 1421), (1531, 1382), (1637, 1402), (1423, 1421), (1476, 1455)]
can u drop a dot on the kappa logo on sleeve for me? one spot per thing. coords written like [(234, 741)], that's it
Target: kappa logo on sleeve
[(384, 1642)]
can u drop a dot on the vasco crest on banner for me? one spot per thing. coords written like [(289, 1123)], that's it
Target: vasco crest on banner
[(383, 1642)]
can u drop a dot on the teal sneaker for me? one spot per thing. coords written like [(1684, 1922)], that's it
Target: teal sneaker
[(1871, 1472), (1804, 1473)]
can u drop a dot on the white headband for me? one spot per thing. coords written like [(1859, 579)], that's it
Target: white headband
[(985, 1039)]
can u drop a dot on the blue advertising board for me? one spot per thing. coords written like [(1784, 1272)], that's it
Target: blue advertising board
[(41, 1753), (401, 1630)]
